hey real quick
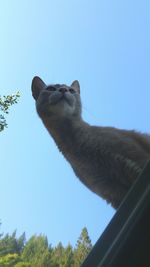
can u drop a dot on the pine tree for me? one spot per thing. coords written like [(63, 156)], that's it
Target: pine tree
[(67, 257), (37, 251), (57, 255), (11, 244), (14, 252), (83, 248)]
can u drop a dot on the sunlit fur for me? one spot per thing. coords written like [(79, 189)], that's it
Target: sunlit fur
[(107, 160)]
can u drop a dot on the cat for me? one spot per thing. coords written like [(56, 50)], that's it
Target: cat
[(106, 159)]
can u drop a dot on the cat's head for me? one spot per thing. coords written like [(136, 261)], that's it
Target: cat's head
[(56, 100)]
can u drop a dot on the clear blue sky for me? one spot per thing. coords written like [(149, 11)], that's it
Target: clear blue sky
[(106, 46)]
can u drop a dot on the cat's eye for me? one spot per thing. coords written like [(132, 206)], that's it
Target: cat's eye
[(51, 88), (71, 90)]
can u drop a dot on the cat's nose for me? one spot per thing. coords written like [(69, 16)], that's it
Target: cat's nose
[(63, 90)]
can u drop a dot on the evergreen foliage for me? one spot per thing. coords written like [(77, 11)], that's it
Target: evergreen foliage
[(83, 248), (36, 252), (10, 244)]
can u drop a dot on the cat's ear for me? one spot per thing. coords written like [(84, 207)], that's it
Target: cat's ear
[(76, 86), (37, 86)]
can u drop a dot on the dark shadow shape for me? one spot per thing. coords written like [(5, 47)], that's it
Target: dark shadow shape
[(126, 240)]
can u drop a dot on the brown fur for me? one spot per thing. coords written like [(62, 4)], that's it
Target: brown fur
[(107, 160)]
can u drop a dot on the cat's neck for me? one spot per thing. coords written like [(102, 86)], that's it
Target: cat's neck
[(67, 133)]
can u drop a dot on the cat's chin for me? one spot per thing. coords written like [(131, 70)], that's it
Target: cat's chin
[(61, 109), (61, 100)]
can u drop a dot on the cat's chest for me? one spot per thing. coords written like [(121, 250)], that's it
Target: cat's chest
[(100, 167), (105, 175), (93, 170)]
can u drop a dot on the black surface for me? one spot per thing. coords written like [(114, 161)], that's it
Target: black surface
[(126, 240)]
